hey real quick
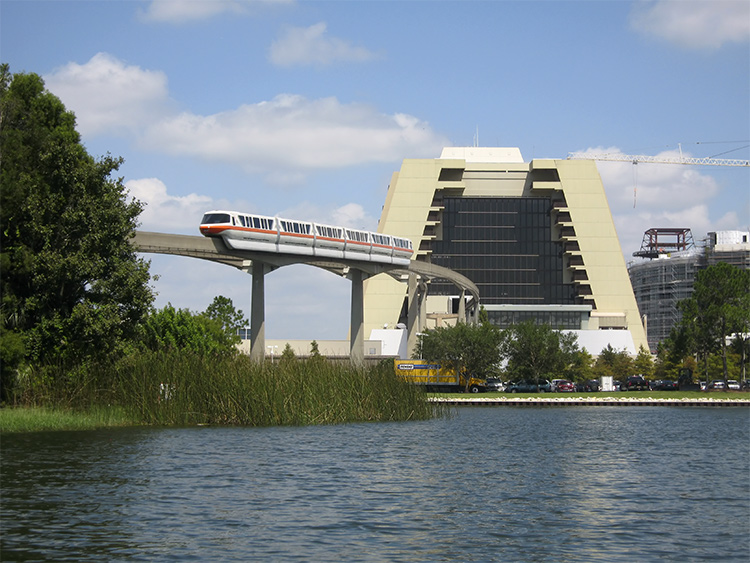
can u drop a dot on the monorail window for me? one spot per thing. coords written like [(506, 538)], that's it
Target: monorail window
[(214, 218)]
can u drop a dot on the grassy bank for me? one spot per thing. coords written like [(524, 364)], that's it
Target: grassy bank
[(184, 390), (41, 419)]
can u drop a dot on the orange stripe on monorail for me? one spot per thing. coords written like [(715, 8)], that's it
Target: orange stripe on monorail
[(292, 234), (222, 228)]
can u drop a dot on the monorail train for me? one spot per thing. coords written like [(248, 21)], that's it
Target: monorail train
[(243, 231)]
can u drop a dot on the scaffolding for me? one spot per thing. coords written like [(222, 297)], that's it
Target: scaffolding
[(658, 286)]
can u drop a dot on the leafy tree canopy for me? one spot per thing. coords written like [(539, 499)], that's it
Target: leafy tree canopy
[(179, 329), (475, 348), (718, 308), (72, 285), (222, 310), (536, 352), (644, 363), (615, 363)]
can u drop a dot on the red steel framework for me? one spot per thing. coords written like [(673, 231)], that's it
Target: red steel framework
[(659, 241)]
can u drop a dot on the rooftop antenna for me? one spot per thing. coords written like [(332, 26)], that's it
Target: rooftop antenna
[(476, 137)]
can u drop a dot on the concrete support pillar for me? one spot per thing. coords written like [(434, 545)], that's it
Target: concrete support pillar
[(258, 313), (462, 307), (412, 316), (357, 338), (416, 318)]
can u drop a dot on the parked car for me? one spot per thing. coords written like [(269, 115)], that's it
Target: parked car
[(553, 384), (663, 385), (565, 386), (590, 385), (495, 384), (733, 384), (593, 385), (634, 383), (717, 384), (528, 387)]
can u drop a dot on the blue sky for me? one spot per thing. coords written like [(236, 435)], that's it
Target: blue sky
[(305, 108)]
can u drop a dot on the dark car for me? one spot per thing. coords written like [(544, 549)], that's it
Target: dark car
[(634, 383), (663, 385), (593, 385), (528, 387)]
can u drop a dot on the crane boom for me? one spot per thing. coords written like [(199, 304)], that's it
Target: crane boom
[(637, 158)]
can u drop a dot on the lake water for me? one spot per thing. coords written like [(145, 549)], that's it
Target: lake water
[(488, 484)]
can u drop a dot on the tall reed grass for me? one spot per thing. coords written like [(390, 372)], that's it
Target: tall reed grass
[(186, 389)]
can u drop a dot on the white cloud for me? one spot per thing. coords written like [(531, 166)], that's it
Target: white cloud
[(183, 11), (295, 132), (282, 138), (167, 213), (108, 96), (311, 46), (698, 24)]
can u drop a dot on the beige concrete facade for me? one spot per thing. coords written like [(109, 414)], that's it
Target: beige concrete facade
[(581, 222)]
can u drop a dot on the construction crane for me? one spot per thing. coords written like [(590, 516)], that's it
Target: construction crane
[(637, 158)]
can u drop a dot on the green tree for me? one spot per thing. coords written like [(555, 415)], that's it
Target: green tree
[(718, 308), (222, 310), (644, 363), (536, 351), (580, 368), (474, 348), (741, 347), (180, 330), (73, 287), (288, 357), (615, 363)]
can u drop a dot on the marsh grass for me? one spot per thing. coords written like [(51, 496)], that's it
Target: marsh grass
[(186, 389), (182, 389)]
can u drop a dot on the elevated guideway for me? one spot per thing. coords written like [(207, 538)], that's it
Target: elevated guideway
[(258, 264)]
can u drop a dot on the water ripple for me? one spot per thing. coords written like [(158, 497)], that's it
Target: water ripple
[(500, 484)]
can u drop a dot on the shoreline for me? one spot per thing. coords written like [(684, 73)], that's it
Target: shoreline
[(589, 401)]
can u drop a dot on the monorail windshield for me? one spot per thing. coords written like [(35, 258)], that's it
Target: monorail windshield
[(214, 218)]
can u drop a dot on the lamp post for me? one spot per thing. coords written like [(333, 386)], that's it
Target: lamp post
[(271, 349), (420, 335)]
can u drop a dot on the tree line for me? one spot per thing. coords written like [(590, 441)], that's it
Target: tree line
[(525, 352), (711, 341)]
